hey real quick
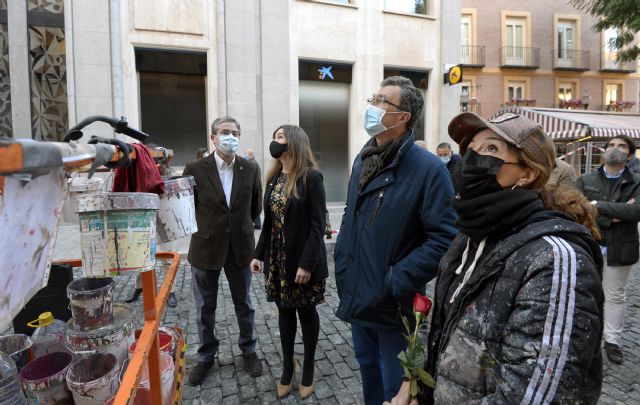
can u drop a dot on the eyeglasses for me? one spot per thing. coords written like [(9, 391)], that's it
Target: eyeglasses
[(379, 100), (228, 132)]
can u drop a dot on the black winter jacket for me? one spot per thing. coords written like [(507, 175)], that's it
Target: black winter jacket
[(527, 326), (621, 238)]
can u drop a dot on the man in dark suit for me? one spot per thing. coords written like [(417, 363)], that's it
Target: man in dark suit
[(228, 198)]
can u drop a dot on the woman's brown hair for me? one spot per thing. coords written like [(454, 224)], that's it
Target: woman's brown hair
[(559, 197), (300, 155)]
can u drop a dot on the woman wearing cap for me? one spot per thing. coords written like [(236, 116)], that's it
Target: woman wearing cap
[(518, 299)]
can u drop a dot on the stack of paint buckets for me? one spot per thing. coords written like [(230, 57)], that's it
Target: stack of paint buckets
[(99, 334)]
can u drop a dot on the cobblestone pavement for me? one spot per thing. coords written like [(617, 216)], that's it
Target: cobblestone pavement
[(338, 378)]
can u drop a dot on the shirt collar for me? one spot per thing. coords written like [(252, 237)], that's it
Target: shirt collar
[(220, 162), (613, 175)]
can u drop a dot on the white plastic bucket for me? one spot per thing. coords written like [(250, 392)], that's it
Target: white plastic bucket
[(177, 213), (167, 371), (93, 379), (118, 232), (79, 186), (114, 338)]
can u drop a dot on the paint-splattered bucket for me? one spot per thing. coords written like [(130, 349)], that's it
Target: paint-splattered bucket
[(177, 213), (93, 379), (43, 379), (17, 347), (118, 232), (167, 370), (165, 342), (113, 338), (91, 301), (79, 186)]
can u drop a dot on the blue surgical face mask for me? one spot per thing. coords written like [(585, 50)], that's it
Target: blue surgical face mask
[(445, 159), (373, 120), (228, 144)]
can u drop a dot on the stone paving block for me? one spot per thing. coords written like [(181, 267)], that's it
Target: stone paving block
[(229, 387), (325, 367), (343, 370), (265, 383), (231, 400), (323, 390)]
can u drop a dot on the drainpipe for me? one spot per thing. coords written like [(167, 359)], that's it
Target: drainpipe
[(222, 58)]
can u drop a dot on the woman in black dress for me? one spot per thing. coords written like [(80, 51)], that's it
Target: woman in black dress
[(291, 250)]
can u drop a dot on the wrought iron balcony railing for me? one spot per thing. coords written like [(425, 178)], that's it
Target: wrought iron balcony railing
[(472, 55), (519, 57), (609, 63), (571, 59)]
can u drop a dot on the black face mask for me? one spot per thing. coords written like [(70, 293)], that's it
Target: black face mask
[(277, 149), (475, 175)]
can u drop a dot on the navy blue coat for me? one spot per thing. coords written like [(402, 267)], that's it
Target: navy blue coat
[(392, 236)]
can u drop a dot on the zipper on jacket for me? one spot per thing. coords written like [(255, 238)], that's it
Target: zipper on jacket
[(375, 209)]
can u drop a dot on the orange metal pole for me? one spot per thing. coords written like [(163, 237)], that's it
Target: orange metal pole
[(149, 335), (151, 315)]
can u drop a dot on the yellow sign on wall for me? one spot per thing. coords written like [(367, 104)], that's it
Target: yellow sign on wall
[(454, 75)]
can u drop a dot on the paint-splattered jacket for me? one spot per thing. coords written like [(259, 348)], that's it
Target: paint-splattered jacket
[(527, 326)]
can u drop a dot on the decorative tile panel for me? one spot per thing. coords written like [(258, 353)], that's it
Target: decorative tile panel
[(5, 87), (47, 60), (45, 6)]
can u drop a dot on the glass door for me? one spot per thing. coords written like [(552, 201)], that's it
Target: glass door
[(515, 54), (566, 30)]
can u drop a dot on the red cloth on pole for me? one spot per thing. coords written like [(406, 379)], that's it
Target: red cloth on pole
[(142, 177)]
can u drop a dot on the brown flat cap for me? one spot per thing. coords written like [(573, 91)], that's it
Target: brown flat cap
[(516, 130)]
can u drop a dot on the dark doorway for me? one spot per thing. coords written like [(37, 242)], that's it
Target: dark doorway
[(173, 101)]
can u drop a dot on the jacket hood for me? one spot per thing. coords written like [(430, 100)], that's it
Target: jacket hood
[(548, 223)]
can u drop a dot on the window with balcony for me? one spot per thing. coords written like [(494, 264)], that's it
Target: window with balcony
[(566, 53), (612, 93), (406, 6), (470, 54), (516, 90), (516, 51), (609, 57)]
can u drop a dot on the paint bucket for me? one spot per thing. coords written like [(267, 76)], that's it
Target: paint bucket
[(43, 379), (167, 370), (165, 341), (17, 347), (79, 186), (118, 232), (91, 301), (177, 213), (93, 379), (10, 384), (113, 338)]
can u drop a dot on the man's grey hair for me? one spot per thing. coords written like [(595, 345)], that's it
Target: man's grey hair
[(444, 145), (410, 98), (221, 120)]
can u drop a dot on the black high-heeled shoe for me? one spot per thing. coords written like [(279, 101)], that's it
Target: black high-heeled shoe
[(134, 297), (172, 301)]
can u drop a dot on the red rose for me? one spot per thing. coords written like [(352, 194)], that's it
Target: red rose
[(421, 304)]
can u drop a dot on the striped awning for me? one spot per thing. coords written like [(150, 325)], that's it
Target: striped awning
[(563, 124)]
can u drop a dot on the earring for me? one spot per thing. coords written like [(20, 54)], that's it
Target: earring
[(515, 186)]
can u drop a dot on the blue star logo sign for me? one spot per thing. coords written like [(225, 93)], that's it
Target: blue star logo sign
[(325, 71)]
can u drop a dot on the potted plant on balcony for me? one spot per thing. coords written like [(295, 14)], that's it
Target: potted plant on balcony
[(571, 104), (521, 102)]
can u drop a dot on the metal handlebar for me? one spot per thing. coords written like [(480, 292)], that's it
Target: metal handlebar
[(119, 125)]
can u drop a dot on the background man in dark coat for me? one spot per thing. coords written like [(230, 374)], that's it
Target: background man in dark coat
[(615, 192), (228, 198)]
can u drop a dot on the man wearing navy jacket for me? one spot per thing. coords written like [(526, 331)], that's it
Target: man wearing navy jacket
[(398, 223)]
